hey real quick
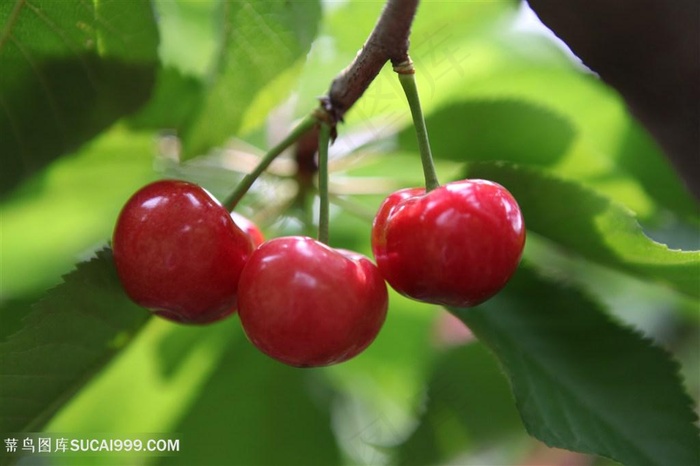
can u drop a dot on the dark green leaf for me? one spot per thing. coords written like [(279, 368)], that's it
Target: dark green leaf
[(582, 381), (256, 411), (592, 225), (12, 312), (69, 70), (66, 338), (261, 39), (469, 406), (487, 130), (174, 103)]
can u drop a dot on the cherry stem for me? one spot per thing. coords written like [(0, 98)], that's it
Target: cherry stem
[(407, 78), (324, 138), (305, 125)]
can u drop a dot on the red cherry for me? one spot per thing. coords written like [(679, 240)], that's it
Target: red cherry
[(250, 228), (178, 252), (457, 245), (306, 304)]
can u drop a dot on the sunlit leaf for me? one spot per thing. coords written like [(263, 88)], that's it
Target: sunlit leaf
[(582, 381), (592, 225), (259, 40), (146, 389), (65, 339), (69, 70), (442, 47), (255, 410), (188, 38), (609, 142), (61, 215)]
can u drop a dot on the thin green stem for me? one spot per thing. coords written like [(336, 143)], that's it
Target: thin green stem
[(305, 125), (324, 139), (407, 78)]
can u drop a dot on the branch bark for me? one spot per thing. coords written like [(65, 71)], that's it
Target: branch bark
[(388, 41)]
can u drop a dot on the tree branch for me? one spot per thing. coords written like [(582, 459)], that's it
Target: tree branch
[(388, 41)]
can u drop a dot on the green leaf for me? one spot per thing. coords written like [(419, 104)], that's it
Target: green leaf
[(164, 367), (639, 156), (66, 338), (187, 49), (175, 101), (442, 48), (592, 225), (487, 130), (188, 40), (62, 214), (582, 381), (68, 71), (260, 40), (469, 407), (610, 145), (256, 411), (12, 312), (380, 391)]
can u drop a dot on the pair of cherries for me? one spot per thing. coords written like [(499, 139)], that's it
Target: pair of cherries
[(181, 254)]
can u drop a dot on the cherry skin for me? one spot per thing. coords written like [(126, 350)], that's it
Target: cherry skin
[(250, 228), (457, 245), (178, 252), (307, 305)]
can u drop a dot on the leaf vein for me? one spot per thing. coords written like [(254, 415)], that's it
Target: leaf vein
[(11, 21), (72, 46)]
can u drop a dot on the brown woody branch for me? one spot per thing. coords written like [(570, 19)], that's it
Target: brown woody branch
[(388, 41)]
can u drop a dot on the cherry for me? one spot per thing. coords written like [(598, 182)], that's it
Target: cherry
[(179, 253), (306, 304), (250, 228), (457, 245)]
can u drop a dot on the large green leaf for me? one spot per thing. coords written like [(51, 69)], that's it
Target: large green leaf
[(610, 145), (582, 381), (260, 39), (146, 389), (496, 129), (66, 338), (62, 214), (174, 103), (68, 71), (592, 225), (256, 411), (469, 407)]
